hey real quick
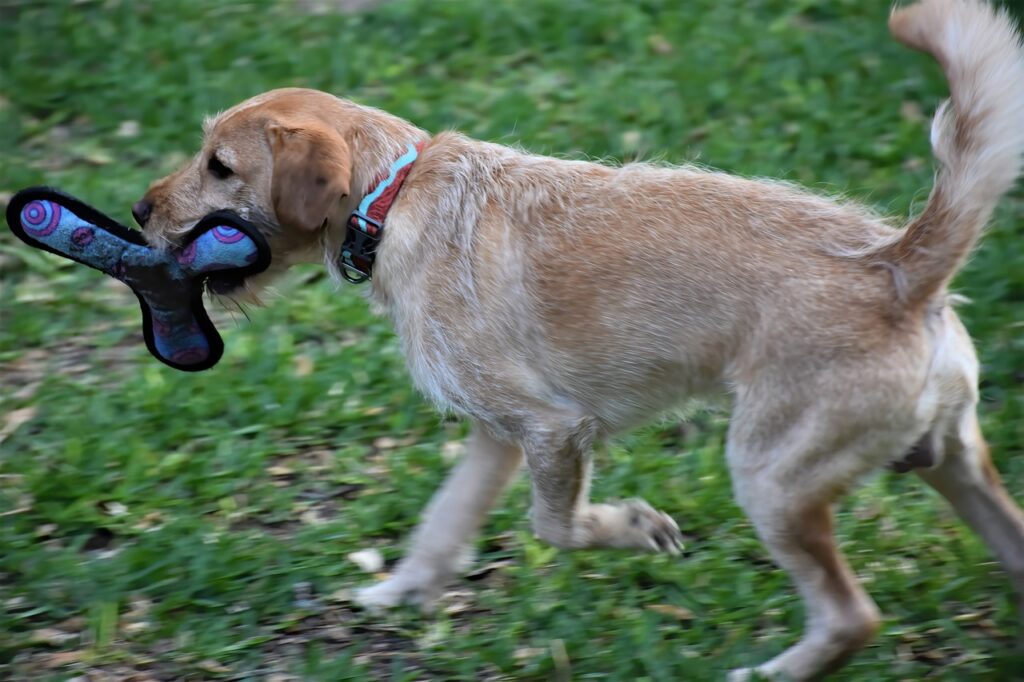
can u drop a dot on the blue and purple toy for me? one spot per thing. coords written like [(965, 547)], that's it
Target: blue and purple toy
[(169, 284)]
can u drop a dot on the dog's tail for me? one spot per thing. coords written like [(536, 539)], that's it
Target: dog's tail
[(977, 135)]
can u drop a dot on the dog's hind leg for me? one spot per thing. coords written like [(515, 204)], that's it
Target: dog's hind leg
[(441, 542), (786, 483), (960, 468), (966, 477)]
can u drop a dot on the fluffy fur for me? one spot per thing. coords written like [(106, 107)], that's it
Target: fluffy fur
[(555, 302)]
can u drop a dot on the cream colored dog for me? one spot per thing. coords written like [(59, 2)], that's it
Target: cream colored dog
[(554, 303)]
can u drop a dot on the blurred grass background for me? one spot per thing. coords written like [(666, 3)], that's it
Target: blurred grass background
[(158, 525)]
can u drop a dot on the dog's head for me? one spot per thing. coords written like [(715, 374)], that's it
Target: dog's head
[(280, 159)]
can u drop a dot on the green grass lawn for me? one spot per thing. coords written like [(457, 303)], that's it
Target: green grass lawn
[(177, 526)]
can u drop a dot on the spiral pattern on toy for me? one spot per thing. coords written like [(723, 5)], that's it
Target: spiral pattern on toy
[(40, 218), (227, 235)]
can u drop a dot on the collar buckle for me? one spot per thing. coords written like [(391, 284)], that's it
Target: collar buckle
[(359, 247)]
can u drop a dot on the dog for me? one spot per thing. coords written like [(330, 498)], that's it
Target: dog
[(553, 303)]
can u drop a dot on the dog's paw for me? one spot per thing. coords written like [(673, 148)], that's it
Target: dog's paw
[(633, 524), (397, 591), (656, 529)]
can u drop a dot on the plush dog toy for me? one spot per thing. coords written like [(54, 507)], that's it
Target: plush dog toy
[(169, 284)]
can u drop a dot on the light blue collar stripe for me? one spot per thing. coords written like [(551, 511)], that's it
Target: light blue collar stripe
[(399, 163)]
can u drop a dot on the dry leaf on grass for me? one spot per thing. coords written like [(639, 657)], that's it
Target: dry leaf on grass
[(679, 612), (342, 595), (212, 666), (659, 44), (63, 658), (27, 391), (303, 365), (51, 636), (368, 560), (136, 627), (336, 633), (487, 569), (911, 111), (312, 517), (389, 443), (13, 420), (113, 508), (527, 652), (452, 450), (128, 129)]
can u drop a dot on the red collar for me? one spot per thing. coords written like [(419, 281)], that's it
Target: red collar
[(366, 224)]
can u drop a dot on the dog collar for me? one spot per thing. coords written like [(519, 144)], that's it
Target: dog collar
[(365, 226)]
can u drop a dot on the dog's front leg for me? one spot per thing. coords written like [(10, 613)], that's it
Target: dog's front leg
[(559, 464), (440, 545)]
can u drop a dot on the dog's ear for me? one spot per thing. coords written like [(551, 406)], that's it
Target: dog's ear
[(312, 172)]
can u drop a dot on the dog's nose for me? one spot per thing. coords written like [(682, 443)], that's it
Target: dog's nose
[(141, 211)]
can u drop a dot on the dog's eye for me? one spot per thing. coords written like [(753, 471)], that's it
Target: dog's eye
[(218, 169)]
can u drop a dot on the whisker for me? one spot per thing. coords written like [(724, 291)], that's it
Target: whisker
[(241, 309), (253, 293), (167, 242)]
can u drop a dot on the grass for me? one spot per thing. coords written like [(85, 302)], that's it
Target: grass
[(183, 526)]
